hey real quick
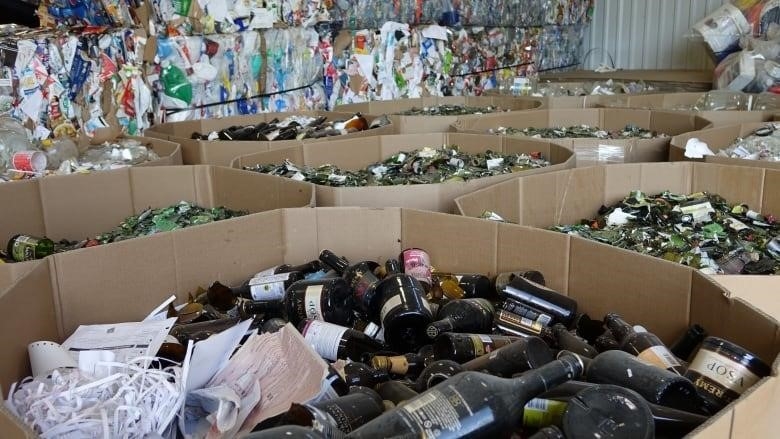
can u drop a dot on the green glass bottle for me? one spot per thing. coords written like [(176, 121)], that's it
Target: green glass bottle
[(27, 248)]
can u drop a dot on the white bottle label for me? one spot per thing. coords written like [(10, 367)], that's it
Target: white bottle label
[(267, 271), (724, 371), (390, 305), (659, 356), (268, 287), (312, 300), (324, 338)]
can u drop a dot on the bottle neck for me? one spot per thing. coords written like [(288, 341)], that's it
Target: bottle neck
[(334, 262), (542, 379), (620, 328), (446, 324)]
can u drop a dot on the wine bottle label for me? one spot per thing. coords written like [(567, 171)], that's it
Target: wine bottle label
[(23, 248), (360, 286), (417, 263), (268, 287), (267, 272), (390, 304), (483, 344), (659, 356), (325, 423), (719, 375), (313, 300), (324, 338), (436, 414), (540, 413)]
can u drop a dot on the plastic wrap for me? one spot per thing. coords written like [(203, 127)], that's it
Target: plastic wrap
[(599, 154)]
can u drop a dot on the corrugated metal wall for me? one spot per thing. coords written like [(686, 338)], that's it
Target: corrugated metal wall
[(647, 34)]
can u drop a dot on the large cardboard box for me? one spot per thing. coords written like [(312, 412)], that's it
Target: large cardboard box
[(204, 152), (683, 102), (718, 139), (598, 151), (358, 153), (69, 289), (75, 207), (556, 102), (566, 197), (663, 80), (436, 124)]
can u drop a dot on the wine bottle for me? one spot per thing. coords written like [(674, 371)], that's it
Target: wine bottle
[(540, 412), (395, 392), (567, 341), (524, 354), (683, 348), (339, 415), (436, 372), (335, 342), (606, 342), (471, 404), (587, 328), (465, 347), (268, 286), (273, 324), (463, 286), (404, 313), (502, 279), (527, 312), (643, 344), (657, 385), (360, 374), (360, 277), (608, 411), (22, 248), (305, 269), (561, 308), (287, 432), (408, 364), (549, 432), (510, 323), (464, 315), (202, 330), (330, 300), (416, 262)]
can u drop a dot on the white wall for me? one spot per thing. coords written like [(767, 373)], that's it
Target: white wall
[(647, 34)]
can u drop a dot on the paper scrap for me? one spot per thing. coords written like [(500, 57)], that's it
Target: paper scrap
[(31, 104), (696, 149), (210, 355), (125, 340)]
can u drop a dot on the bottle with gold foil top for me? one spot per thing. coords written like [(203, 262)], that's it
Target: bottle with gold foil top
[(643, 344), (410, 364), (722, 371), (28, 248)]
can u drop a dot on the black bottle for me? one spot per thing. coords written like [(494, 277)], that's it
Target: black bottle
[(287, 432), (436, 372), (657, 385), (480, 405), (549, 432), (608, 411), (606, 342), (466, 347), (339, 415), (395, 392), (567, 341), (324, 299), (360, 374), (502, 279), (523, 354), (527, 312), (563, 309), (643, 344), (404, 314), (684, 347), (464, 315), (360, 277), (335, 342), (267, 286)]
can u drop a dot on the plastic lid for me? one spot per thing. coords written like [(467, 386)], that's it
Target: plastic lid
[(607, 411)]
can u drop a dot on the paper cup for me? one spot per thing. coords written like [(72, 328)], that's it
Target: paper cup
[(29, 161), (46, 356)]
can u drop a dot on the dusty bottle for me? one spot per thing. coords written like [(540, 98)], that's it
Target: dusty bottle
[(464, 315), (330, 300), (549, 432), (570, 342), (360, 374), (404, 314), (202, 330), (408, 364), (395, 392), (643, 344), (608, 411), (471, 404), (360, 277), (288, 432), (563, 309), (683, 348), (335, 342), (502, 279), (466, 347), (339, 415), (657, 385), (523, 354), (27, 248), (436, 372), (606, 342), (511, 323)]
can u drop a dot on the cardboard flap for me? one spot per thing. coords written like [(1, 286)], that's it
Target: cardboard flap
[(160, 187), (255, 192), (737, 184), (651, 178)]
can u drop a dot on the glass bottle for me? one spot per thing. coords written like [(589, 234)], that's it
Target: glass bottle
[(268, 286), (408, 364), (519, 356), (335, 342), (395, 392), (287, 432), (27, 248), (463, 315), (502, 279), (436, 372), (339, 415), (463, 286), (360, 277), (404, 313), (330, 300), (563, 309), (565, 340), (606, 411), (684, 347), (360, 374), (465, 347), (471, 404), (643, 344), (416, 262)]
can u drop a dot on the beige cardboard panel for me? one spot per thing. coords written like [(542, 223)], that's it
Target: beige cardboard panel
[(675, 122), (390, 145), (228, 251), (737, 184), (605, 279), (717, 427), (651, 178), (12, 428), (648, 150), (425, 124), (10, 273), (771, 202), (760, 291), (161, 187), (79, 206), (616, 119), (742, 162), (569, 117), (222, 153), (22, 212), (452, 250), (733, 318), (720, 118), (526, 248), (591, 152), (503, 198), (191, 153), (538, 118), (372, 234), (276, 156), (762, 403), (299, 234), (30, 315), (424, 197), (346, 153), (254, 192), (120, 282), (551, 187), (580, 193)]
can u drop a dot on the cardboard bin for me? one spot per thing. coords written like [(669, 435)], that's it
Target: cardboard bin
[(358, 153), (718, 139), (70, 289)]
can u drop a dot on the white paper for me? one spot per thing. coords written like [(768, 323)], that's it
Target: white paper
[(90, 362), (210, 355), (619, 218), (696, 149), (125, 340), (161, 311), (31, 104), (436, 32)]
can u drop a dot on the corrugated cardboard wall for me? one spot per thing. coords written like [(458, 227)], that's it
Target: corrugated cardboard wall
[(641, 34)]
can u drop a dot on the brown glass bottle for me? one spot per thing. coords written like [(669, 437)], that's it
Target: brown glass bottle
[(466, 347), (683, 348), (644, 345), (435, 373), (330, 300), (395, 392), (565, 340)]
